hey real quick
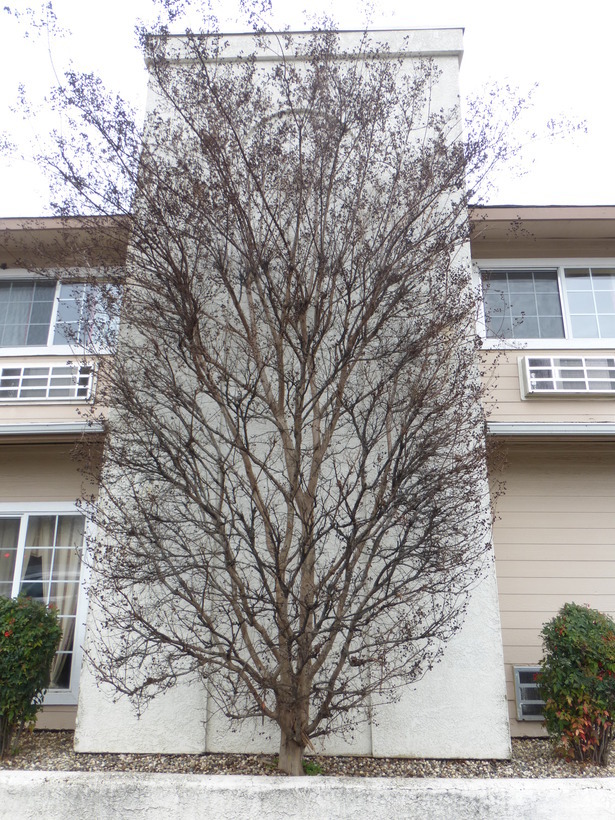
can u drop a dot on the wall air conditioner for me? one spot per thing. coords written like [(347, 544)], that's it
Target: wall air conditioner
[(567, 376), (36, 383)]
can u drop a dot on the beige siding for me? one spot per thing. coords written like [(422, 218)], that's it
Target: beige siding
[(554, 539), (40, 413), (57, 717), (38, 472), (503, 400)]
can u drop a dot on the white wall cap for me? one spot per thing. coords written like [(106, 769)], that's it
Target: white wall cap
[(399, 43), (45, 429), (540, 428)]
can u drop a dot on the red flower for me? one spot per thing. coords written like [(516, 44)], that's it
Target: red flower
[(8, 633)]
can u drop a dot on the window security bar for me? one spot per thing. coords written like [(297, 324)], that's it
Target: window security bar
[(527, 693), (61, 383), (549, 375)]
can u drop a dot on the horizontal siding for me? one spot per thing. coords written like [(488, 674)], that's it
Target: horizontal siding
[(38, 472), (503, 401), (41, 413), (512, 570), (547, 603), (521, 619), (568, 520), (511, 503), (554, 538), (524, 637), (555, 552), (553, 535), (571, 588), (57, 717)]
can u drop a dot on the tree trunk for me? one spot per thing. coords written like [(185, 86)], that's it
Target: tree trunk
[(291, 755)]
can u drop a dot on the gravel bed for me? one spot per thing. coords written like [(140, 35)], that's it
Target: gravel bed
[(53, 751)]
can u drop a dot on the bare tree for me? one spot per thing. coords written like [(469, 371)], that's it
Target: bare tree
[(293, 491)]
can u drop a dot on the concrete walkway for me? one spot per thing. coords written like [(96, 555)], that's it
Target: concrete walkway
[(35, 795)]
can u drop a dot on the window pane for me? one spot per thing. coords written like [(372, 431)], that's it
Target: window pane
[(61, 668), (584, 327), (37, 335), (14, 335), (532, 709), (521, 282), (545, 282), (526, 328), (9, 534), (66, 564), (607, 327), (71, 314), (578, 279), (495, 281), (551, 327), (523, 305), (604, 279), (591, 300), (70, 531), (40, 313), (19, 313), (35, 574), (44, 291), (581, 302), (605, 301), (500, 327), (26, 312), (548, 304), (41, 531)]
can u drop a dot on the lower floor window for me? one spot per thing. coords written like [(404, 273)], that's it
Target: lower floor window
[(527, 693), (39, 557)]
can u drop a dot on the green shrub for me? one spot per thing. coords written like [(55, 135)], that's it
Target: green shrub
[(311, 767), (29, 636), (577, 681)]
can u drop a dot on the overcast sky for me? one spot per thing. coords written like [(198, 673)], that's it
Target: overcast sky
[(566, 48)]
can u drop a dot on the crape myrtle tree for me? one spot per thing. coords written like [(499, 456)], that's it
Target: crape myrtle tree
[(292, 499)]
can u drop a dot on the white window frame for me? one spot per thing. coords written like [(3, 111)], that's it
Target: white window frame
[(57, 697), (519, 700), (567, 343), (587, 365), (49, 349)]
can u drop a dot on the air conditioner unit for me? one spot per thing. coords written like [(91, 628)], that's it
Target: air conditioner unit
[(568, 375), (46, 383)]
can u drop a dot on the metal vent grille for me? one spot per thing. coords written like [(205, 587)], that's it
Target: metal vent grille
[(527, 693), (63, 383), (549, 375)]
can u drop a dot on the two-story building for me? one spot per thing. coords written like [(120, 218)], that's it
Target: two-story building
[(48, 377), (548, 327)]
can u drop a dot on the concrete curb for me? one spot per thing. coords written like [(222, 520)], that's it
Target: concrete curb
[(25, 795)]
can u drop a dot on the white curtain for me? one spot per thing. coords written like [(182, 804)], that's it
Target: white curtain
[(38, 554), (9, 534), (52, 543)]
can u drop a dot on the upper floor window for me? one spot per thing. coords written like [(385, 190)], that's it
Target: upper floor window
[(43, 313), (565, 302)]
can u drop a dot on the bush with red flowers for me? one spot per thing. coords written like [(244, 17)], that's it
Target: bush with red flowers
[(577, 681), (29, 636)]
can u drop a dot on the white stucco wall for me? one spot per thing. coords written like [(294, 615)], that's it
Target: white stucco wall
[(62, 795), (458, 710)]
